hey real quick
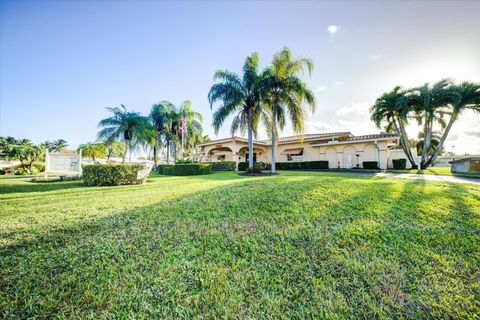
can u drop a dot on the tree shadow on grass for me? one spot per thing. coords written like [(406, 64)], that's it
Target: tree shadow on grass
[(27, 186), (263, 248)]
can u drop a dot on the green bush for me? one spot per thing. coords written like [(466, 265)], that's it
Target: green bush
[(321, 164), (160, 168), (243, 166), (370, 165), (257, 168), (22, 171), (185, 161), (111, 174), (191, 169), (223, 165), (399, 164), (167, 170), (39, 166)]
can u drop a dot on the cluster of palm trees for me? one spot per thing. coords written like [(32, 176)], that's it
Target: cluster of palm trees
[(163, 128), (430, 105), (27, 152), (271, 96)]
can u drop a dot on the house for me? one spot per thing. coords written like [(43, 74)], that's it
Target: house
[(340, 149)]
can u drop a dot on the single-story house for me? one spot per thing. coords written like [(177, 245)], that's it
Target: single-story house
[(340, 149)]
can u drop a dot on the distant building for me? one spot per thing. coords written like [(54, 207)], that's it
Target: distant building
[(340, 149)]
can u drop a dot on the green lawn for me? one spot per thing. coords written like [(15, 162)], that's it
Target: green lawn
[(297, 245)]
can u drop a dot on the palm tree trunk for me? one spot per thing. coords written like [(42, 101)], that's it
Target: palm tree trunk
[(168, 151), (250, 140), (125, 152), (435, 154), (426, 141), (401, 132), (155, 155), (273, 148)]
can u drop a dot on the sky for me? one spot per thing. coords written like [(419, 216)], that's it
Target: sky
[(63, 62)]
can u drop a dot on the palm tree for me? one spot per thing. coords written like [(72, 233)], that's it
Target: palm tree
[(287, 95), (242, 96), (428, 103), (468, 98), (113, 148), (93, 150), (123, 125), (194, 128), (392, 108), (59, 145), (161, 118), (435, 140)]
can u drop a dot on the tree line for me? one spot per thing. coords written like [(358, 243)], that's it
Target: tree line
[(430, 105)]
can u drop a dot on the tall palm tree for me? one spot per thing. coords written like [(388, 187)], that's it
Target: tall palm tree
[(194, 128), (393, 109), (242, 96), (161, 118), (287, 95), (428, 103), (92, 150), (123, 125), (420, 143), (468, 98)]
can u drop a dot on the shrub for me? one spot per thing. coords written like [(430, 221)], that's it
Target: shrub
[(243, 166), (370, 165), (321, 164), (22, 171), (257, 168), (223, 165), (160, 168), (191, 169), (184, 161), (399, 164), (167, 170), (39, 166), (111, 174)]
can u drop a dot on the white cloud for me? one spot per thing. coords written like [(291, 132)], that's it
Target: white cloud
[(356, 108), (321, 88), (319, 126), (338, 83), (332, 29), (374, 57), (472, 133), (344, 122)]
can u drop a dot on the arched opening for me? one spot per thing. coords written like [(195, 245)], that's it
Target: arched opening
[(220, 154), (332, 158), (370, 153), (259, 154), (349, 157)]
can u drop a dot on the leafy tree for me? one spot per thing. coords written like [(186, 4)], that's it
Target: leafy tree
[(239, 96), (24, 151), (59, 145), (194, 132), (286, 95), (161, 116), (92, 150), (123, 125), (113, 148)]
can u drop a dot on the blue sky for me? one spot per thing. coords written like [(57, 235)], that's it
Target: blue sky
[(62, 63)]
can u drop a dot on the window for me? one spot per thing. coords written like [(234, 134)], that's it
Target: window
[(295, 157), (254, 157)]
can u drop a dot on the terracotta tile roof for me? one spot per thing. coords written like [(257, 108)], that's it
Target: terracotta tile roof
[(310, 136), (372, 136)]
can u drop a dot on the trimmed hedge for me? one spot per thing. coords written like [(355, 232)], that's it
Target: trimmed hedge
[(160, 167), (111, 174), (370, 165), (223, 165), (399, 164), (322, 164), (192, 169)]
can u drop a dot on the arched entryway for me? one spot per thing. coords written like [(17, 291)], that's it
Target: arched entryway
[(259, 154), (220, 154), (332, 158), (349, 157)]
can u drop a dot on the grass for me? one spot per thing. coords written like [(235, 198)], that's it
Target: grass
[(297, 245)]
